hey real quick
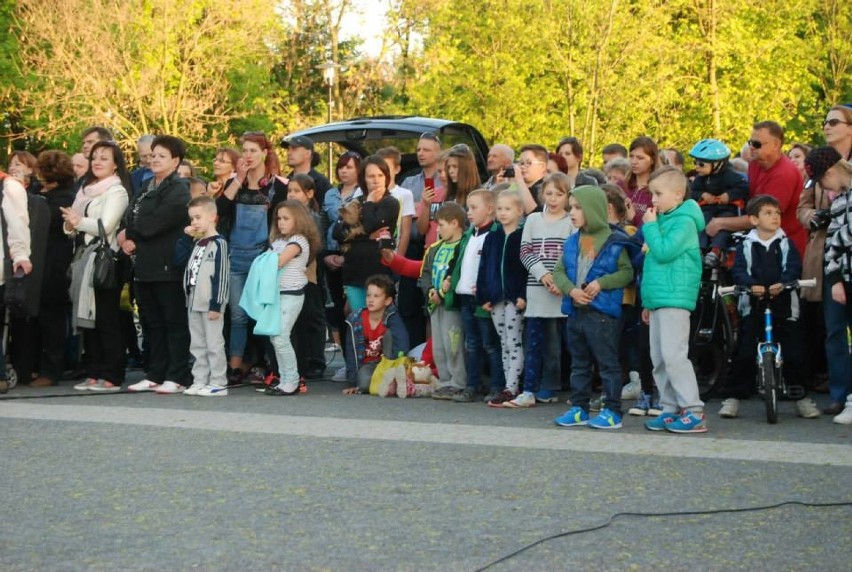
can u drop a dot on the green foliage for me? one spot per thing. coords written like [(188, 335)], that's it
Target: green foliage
[(612, 70)]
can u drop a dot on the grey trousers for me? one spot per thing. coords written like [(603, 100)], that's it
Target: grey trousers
[(448, 347), (673, 371), (207, 346)]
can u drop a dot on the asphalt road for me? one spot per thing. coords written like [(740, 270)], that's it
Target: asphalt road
[(329, 482)]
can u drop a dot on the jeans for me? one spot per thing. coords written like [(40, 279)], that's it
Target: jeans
[(288, 370), (479, 335), (837, 319), (241, 260), (542, 367), (592, 338)]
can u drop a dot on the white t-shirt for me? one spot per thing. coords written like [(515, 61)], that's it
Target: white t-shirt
[(406, 200), (470, 264), (293, 275)]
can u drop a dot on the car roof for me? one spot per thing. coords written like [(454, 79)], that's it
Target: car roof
[(364, 134), (354, 129)]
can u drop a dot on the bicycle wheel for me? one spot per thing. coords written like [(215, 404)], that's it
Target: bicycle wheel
[(711, 358), (770, 386)]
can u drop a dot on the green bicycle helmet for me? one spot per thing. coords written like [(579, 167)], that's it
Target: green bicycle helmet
[(710, 150)]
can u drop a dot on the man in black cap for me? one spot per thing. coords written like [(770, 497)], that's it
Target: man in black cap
[(302, 159)]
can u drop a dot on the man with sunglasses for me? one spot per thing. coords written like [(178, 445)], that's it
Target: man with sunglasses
[(770, 172)]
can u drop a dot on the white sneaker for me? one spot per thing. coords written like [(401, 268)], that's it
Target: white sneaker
[(845, 416), (212, 391), (730, 408), (194, 389), (525, 399), (104, 386), (86, 384), (144, 385), (633, 389), (339, 375), (169, 388), (807, 408)]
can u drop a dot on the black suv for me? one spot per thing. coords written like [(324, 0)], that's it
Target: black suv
[(365, 135)]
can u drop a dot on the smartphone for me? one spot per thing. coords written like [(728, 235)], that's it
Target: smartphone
[(509, 172), (388, 243)]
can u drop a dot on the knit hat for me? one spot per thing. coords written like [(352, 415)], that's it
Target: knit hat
[(818, 162)]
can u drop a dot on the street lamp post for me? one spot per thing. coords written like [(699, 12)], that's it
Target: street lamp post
[(329, 73)]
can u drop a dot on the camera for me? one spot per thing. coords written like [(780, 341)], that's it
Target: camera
[(388, 243), (820, 219), (509, 172)]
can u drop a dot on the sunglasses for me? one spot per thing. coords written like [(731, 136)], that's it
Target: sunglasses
[(429, 136), (834, 122), (754, 144), (705, 163), (460, 148)]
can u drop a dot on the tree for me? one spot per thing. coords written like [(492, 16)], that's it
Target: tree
[(140, 66)]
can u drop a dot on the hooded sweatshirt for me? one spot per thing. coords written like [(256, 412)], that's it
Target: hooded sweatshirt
[(596, 253), (671, 274)]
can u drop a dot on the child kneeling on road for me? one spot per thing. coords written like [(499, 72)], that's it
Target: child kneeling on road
[(375, 331), (592, 273), (671, 277)]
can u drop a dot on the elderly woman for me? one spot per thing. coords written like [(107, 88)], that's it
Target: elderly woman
[(55, 174), (154, 222), (103, 199)]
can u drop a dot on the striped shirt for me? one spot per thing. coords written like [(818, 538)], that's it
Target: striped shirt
[(293, 276)]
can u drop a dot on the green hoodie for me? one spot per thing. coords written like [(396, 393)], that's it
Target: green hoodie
[(592, 238)]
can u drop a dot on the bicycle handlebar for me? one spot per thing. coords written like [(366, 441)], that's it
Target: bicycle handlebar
[(725, 290)]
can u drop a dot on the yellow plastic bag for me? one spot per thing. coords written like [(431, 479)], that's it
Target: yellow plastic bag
[(385, 365)]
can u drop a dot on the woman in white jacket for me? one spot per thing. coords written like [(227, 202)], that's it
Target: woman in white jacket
[(17, 223), (104, 198)]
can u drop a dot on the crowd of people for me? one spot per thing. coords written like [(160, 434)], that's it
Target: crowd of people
[(548, 275)]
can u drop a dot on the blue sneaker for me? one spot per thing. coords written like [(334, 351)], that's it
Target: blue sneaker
[(606, 419), (643, 404), (689, 422), (662, 422), (574, 417)]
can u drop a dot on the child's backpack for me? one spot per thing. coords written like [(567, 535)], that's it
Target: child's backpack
[(23, 294)]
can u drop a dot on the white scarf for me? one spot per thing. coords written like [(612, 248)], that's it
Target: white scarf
[(89, 192)]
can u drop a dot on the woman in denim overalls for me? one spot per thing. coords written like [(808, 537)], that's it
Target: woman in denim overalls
[(246, 203)]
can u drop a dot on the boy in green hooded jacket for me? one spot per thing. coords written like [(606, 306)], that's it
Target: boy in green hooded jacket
[(671, 278), (592, 273)]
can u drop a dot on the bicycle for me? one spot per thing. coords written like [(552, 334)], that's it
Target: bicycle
[(713, 332), (770, 378)]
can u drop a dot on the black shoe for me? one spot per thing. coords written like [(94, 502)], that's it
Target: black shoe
[(467, 395), (278, 391), (235, 376), (314, 373)]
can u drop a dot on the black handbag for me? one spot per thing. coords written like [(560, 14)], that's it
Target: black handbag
[(103, 266)]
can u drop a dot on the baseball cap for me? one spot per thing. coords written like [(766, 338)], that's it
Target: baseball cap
[(298, 141), (818, 162)]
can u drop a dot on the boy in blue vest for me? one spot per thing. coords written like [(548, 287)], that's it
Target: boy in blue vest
[(592, 273)]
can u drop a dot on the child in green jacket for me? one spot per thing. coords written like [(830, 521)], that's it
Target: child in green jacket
[(670, 282)]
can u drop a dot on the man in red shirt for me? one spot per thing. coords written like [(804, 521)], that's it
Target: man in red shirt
[(770, 172)]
